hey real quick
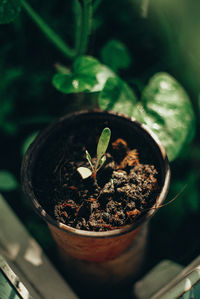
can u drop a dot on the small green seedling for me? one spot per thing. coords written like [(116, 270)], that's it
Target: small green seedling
[(101, 158)]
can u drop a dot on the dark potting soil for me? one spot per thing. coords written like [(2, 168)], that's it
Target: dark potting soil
[(123, 191)]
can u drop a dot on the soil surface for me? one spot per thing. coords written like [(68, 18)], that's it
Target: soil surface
[(123, 191)]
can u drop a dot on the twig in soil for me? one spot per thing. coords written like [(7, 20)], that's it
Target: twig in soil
[(59, 163)]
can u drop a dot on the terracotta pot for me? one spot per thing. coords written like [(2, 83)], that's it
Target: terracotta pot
[(94, 247)]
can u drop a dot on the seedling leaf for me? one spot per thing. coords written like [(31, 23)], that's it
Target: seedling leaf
[(89, 159), (84, 172), (101, 158), (102, 161), (103, 144)]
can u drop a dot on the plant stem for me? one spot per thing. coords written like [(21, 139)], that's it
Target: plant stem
[(51, 35), (86, 26)]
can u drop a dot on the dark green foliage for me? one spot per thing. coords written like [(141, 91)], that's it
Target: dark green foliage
[(27, 142), (168, 112), (7, 181), (116, 55), (7, 102), (88, 75), (165, 108), (9, 10), (117, 96)]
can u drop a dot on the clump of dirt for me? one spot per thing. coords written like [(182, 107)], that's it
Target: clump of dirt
[(123, 191)]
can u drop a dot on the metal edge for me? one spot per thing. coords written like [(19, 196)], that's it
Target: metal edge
[(14, 280)]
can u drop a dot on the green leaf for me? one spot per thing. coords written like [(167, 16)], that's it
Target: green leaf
[(165, 108), (7, 107), (8, 77), (9, 10), (88, 75), (167, 111), (7, 181), (28, 141), (117, 96), (9, 127), (6, 122), (7, 99), (116, 55), (102, 161), (74, 83), (103, 144), (88, 157)]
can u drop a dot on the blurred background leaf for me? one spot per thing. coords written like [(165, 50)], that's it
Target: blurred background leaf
[(7, 102), (116, 55), (27, 142), (9, 10), (7, 181)]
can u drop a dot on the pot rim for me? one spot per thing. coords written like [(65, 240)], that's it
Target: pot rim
[(28, 187)]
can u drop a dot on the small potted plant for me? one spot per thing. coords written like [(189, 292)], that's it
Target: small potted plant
[(50, 166), (96, 205)]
